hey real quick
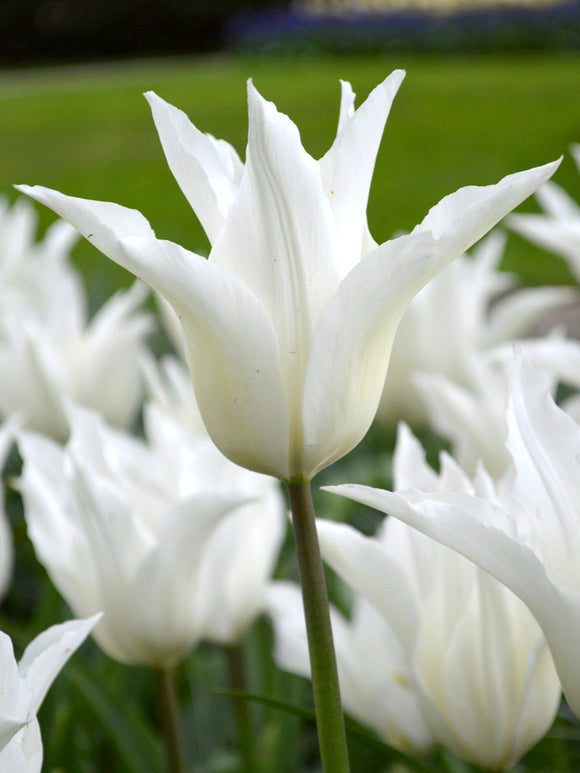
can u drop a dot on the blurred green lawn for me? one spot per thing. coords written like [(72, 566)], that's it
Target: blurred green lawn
[(456, 121)]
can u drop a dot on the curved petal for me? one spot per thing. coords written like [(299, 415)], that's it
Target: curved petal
[(118, 544), (207, 171), (116, 342), (352, 344), (474, 421), (59, 541), (237, 564), (24, 753), (280, 239), (465, 216), (46, 655), (545, 445), (556, 202), (347, 98), (516, 314), (102, 223), (168, 630), (363, 563), (30, 379), (410, 468), (229, 336), (347, 168), (283, 603)]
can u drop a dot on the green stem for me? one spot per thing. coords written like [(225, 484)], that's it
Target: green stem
[(170, 720), (327, 704), (237, 673)]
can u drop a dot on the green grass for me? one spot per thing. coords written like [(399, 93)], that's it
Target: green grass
[(456, 121)]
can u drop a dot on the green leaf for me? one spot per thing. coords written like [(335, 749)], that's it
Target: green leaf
[(129, 735), (353, 729)]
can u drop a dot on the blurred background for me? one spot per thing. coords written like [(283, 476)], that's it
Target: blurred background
[(34, 31)]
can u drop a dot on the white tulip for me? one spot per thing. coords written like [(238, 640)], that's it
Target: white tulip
[(289, 323), (50, 352), (375, 680), (558, 228), (453, 320), (169, 538), (479, 663)]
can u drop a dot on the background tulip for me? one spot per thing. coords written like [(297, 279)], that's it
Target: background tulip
[(50, 352), (479, 664), (134, 529), (375, 679), (528, 537), (463, 312), (558, 228)]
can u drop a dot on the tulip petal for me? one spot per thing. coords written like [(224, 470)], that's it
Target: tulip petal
[(352, 343), (208, 171), (46, 655), (110, 526), (465, 216), (174, 564), (13, 715), (545, 445), (361, 562), (59, 542), (556, 202), (347, 168), (280, 240), (247, 541), (347, 98), (230, 338), (475, 427), (518, 313), (26, 363)]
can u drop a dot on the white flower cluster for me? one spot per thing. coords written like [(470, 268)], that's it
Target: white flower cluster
[(288, 328), (159, 542)]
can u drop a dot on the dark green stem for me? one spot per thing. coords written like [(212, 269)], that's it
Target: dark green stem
[(327, 704), (237, 674), (170, 720)]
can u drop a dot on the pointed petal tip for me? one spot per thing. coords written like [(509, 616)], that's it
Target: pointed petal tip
[(552, 165), (36, 192), (339, 489), (24, 188), (152, 97)]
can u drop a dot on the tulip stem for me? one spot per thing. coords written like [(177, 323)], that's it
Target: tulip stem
[(237, 673), (327, 704), (170, 720)]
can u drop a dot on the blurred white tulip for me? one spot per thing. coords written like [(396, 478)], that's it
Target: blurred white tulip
[(50, 352), (558, 228), (452, 321), (479, 662), (168, 537), (374, 675)]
